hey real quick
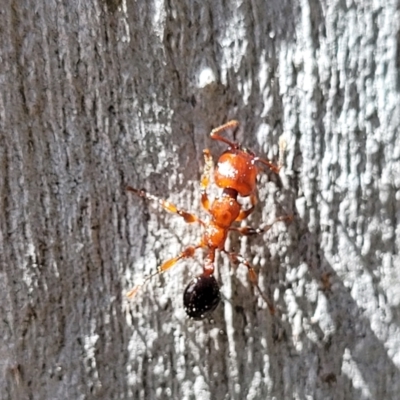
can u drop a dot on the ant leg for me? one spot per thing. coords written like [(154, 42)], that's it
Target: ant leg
[(215, 133), (166, 205), (187, 253), (247, 231), (205, 179), (238, 259), (245, 213)]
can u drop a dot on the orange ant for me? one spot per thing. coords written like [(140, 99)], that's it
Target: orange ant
[(236, 174)]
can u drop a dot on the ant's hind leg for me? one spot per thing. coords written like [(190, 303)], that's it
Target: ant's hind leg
[(247, 231), (166, 205), (187, 253), (205, 179), (238, 259)]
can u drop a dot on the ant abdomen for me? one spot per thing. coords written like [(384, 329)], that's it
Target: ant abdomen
[(201, 296)]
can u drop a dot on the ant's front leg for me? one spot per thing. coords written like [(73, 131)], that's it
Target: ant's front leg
[(247, 231), (166, 205)]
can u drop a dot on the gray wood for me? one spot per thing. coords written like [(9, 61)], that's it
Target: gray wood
[(98, 95)]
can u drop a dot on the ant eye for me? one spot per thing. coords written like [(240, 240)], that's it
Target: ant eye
[(201, 296)]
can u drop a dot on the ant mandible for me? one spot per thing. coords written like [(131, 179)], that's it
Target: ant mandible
[(236, 174)]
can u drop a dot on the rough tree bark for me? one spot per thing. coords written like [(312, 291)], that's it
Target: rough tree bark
[(97, 95)]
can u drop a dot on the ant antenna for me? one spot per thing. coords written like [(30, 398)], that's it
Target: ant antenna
[(215, 133)]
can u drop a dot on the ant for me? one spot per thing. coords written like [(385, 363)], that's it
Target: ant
[(236, 174)]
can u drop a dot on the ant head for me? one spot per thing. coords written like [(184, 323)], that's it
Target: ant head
[(201, 296)]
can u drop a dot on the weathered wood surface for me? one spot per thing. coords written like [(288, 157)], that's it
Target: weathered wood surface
[(97, 95)]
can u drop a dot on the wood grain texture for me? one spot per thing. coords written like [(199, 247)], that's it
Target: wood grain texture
[(97, 95)]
